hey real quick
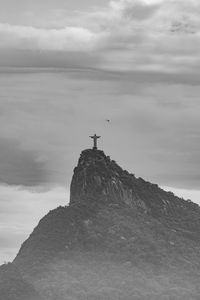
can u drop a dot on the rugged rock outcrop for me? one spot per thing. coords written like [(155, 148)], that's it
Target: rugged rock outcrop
[(99, 179), (119, 237)]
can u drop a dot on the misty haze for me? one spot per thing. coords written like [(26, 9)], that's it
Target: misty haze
[(99, 150)]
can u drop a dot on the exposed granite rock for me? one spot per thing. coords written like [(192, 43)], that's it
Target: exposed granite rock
[(120, 237), (98, 179)]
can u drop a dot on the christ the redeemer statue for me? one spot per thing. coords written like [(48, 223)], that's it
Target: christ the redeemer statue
[(95, 138)]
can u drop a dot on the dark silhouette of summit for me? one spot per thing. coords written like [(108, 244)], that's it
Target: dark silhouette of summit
[(120, 237)]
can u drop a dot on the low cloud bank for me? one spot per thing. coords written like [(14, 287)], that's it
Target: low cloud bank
[(192, 195), (126, 35), (20, 211)]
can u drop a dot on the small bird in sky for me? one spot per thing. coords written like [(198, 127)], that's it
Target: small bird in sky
[(107, 120)]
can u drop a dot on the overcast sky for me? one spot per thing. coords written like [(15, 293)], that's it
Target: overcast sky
[(66, 67)]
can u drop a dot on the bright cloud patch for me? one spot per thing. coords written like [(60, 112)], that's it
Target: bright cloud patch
[(153, 35), (69, 38), (192, 195), (20, 211), (127, 35)]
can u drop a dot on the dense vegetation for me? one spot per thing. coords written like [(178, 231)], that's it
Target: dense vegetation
[(121, 238), (13, 286)]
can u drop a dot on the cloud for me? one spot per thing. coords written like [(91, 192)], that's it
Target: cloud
[(49, 114), (157, 90), (18, 166), (47, 59), (26, 37), (193, 195), (134, 9), (17, 204), (165, 38), (127, 35)]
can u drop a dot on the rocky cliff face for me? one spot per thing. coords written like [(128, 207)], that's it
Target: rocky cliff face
[(98, 179), (120, 237), (102, 191)]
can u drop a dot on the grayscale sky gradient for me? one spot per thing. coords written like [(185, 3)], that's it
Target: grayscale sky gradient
[(66, 67)]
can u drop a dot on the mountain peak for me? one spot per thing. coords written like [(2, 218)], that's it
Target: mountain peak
[(96, 178), (119, 233), (99, 180)]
